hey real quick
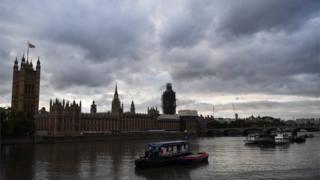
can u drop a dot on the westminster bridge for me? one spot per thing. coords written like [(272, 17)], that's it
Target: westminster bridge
[(211, 131)]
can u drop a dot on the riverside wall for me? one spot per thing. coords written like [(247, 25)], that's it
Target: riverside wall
[(85, 138)]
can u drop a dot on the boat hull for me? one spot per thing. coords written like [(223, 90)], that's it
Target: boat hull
[(189, 159), (201, 157), (299, 139)]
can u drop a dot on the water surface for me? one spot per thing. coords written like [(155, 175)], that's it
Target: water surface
[(229, 159)]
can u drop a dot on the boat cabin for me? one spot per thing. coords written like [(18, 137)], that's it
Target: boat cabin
[(166, 149)]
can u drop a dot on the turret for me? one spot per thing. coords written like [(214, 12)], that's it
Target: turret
[(16, 66), (50, 104), (23, 61)]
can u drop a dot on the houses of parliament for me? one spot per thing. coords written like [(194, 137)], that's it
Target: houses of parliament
[(65, 118)]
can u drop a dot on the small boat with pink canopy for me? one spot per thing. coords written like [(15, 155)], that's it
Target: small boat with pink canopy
[(178, 152)]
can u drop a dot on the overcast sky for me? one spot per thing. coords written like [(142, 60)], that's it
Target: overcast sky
[(262, 56)]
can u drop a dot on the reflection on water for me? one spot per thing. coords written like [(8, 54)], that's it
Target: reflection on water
[(178, 172), (229, 159)]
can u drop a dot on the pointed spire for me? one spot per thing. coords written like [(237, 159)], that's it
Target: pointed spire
[(23, 59), (116, 92), (15, 67), (38, 64), (22, 62), (132, 108)]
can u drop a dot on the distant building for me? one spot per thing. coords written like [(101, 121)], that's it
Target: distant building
[(187, 118), (290, 123), (188, 112), (25, 87), (310, 121), (169, 100)]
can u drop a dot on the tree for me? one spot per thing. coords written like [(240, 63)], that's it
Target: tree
[(21, 124), (4, 116), (16, 123)]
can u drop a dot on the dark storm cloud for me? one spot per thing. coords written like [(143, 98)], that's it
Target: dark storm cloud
[(188, 27), (6, 66), (216, 19), (102, 31), (286, 65), (80, 76), (113, 31), (278, 56), (250, 16), (203, 47)]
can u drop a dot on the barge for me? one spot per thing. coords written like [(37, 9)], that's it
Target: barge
[(161, 154)]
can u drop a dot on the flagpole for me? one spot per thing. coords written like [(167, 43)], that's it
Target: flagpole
[(28, 53)]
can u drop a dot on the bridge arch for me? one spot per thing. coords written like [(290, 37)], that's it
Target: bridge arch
[(232, 132), (252, 130)]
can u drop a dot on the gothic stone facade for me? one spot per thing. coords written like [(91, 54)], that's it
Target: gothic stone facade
[(25, 87), (66, 118)]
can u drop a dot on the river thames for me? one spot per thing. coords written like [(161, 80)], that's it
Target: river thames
[(229, 159)]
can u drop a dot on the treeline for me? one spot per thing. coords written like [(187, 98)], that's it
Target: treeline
[(16, 123), (244, 123)]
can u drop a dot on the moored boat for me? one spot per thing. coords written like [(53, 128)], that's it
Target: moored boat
[(309, 135), (259, 139), (299, 139), (281, 138), (169, 153)]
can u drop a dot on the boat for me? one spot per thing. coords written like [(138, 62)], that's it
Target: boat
[(299, 139), (259, 139), (281, 138), (166, 153), (309, 135)]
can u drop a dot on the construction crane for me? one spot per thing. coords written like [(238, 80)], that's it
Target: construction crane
[(213, 110), (234, 112)]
